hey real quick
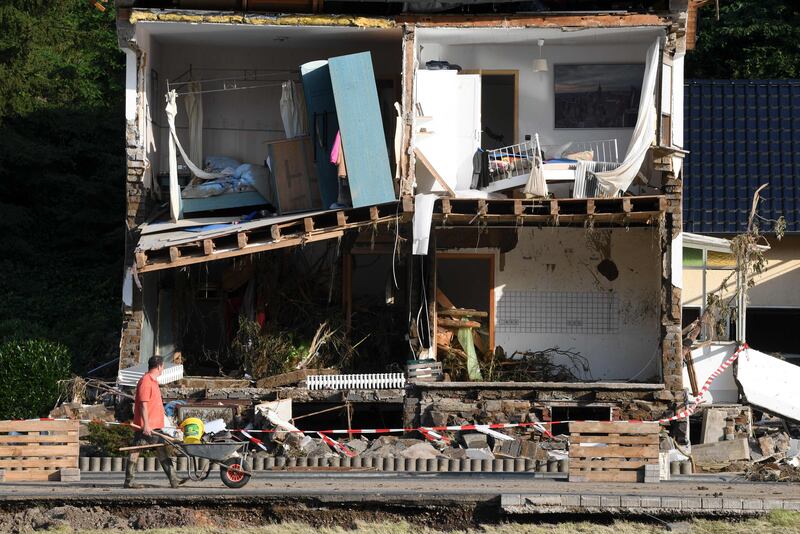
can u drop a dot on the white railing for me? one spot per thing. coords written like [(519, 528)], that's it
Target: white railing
[(357, 381)]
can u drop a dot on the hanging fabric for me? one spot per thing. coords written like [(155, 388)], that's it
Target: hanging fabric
[(613, 182), (175, 207), (536, 187), (194, 111), (293, 110)]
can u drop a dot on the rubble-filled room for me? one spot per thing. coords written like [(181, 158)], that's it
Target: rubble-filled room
[(549, 304), (252, 116), (543, 110)]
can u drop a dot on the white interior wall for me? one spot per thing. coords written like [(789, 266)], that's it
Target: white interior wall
[(238, 123), (561, 261), (536, 92)]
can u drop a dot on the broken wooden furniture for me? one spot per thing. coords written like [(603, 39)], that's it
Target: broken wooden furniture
[(461, 324), (39, 450), (605, 451)]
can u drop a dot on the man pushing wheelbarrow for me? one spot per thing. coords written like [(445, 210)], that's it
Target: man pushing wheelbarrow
[(148, 418)]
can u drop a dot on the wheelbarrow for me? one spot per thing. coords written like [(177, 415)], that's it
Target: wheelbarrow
[(230, 456)]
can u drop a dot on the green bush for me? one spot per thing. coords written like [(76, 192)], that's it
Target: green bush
[(105, 440), (29, 373)]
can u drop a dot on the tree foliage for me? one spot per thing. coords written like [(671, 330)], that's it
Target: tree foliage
[(30, 372), (62, 169), (751, 39)]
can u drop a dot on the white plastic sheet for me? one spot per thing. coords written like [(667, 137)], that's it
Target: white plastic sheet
[(293, 110)]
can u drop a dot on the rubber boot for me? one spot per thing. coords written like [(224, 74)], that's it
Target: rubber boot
[(169, 470), (130, 475)]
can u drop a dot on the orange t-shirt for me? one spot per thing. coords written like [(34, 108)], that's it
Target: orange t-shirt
[(147, 391)]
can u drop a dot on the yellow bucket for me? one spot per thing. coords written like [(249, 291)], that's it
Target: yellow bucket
[(192, 430)]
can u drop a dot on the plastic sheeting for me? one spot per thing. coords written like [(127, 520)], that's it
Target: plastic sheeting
[(293, 110), (194, 110), (612, 182)]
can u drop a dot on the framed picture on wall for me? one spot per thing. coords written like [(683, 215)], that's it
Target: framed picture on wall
[(597, 96)]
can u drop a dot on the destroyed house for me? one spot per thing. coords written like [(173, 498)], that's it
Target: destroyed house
[(402, 214)]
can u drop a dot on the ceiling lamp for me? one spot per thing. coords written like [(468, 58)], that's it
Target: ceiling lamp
[(540, 64)]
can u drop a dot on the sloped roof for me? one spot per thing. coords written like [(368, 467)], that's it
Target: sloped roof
[(741, 134)]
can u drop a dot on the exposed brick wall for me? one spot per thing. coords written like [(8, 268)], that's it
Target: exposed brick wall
[(672, 354), (130, 338)]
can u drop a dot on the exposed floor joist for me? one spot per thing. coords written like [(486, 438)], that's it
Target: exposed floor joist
[(319, 226), (621, 211)]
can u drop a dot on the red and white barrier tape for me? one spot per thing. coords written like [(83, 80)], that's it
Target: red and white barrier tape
[(434, 432)]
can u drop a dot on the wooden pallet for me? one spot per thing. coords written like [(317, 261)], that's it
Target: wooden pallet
[(623, 452), (38, 450)]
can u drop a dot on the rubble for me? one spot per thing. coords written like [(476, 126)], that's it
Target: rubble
[(86, 412)]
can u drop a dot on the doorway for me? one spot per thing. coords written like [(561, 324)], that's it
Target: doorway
[(467, 281), (499, 117)]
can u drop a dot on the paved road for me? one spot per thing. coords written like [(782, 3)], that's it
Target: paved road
[(422, 488)]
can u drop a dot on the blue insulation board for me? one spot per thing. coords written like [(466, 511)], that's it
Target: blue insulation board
[(363, 138), (741, 134), (322, 125)]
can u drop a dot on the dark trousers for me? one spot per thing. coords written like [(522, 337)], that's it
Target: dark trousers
[(161, 453)]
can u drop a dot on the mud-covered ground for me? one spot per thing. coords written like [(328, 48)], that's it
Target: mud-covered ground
[(301, 519)]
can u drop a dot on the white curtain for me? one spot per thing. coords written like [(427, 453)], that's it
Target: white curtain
[(174, 189), (293, 110), (194, 111), (618, 180)]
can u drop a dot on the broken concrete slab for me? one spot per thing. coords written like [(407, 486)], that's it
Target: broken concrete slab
[(480, 454), (420, 451), (714, 420), (721, 451), (769, 383), (474, 440)]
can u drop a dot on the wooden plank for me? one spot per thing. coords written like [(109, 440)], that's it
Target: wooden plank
[(626, 204), (308, 225), (174, 254), (613, 451), (431, 169), (625, 439), (373, 213), (294, 176), (408, 204), (589, 206), (461, 312), (39, 425), (38, 463), (614, 427), (275, 232), (361, 129), (208, 247), (39, 450), (578, 464), (604, 476), (61, 437), (251, 249), (25, 475), (141, 258), (517, 207), (554, 207), (241, 239), (341, 218), (447, 207), (454, 323)]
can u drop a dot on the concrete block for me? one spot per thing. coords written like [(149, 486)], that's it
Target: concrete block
[(443, 464), (729, 503), (791, 505), (512, 499), (94, 463), (70, 474), (83, 463), (712, 503), (590, 501), (691, 503), (570, 500), (770, 504), (610, 501), (721, 451), (116, 464), (105, 464), (630, 501), (753, 504), (713, 429), (651, 502), (673, 503), (543, 500)]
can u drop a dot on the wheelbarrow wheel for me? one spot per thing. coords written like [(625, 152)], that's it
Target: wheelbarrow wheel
[(230, 475)]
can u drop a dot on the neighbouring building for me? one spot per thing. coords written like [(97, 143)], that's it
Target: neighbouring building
[(485, 195)]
